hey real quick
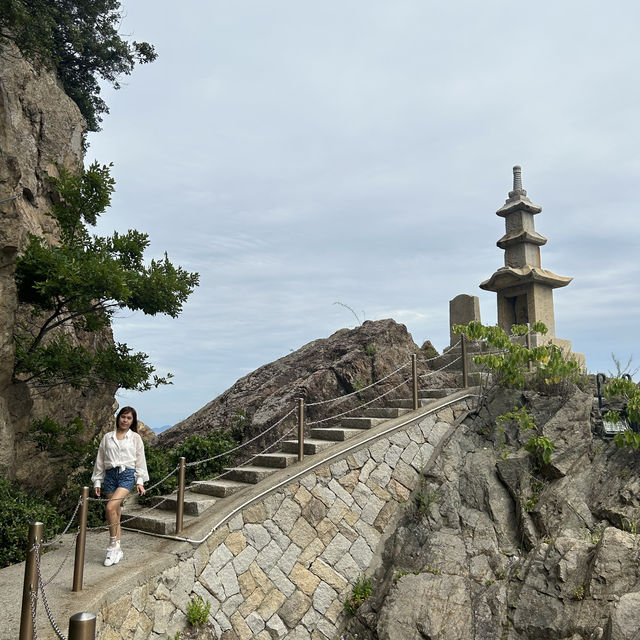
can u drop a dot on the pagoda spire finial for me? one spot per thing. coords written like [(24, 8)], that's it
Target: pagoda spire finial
[(517, 183)]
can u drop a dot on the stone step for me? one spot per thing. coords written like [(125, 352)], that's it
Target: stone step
[(278, 460), (220, 488), (361, 423), (335, 434), (194, 503), (407, 403), (311, 446), (251, 474), (156, 521), (384, 412), (436, 393)]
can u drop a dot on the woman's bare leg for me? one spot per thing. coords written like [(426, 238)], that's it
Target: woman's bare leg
[(113, 510)]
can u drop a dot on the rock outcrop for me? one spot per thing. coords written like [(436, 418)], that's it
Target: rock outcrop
[(346, 362), (498, 547), (40, 129)]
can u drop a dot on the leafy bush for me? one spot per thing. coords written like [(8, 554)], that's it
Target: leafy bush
[(541, 448), (160, 462), (554, 371), (18, 509), (198, 611), (359, 593)]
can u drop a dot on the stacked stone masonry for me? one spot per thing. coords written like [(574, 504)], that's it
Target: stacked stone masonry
[(283, 566)]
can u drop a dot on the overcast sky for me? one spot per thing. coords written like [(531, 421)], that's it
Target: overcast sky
[(298, 154)]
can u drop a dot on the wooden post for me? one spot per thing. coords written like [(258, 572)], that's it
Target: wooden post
[(78, 567), (414, 376), (465, 364), (180, 505), (30, 580), (300, 429), (82, 626)]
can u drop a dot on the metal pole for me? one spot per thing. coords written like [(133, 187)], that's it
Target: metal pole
[(300, 429), (78, 567), (530, 363), (82, 626), (465, 364), (30, 581), (180, 506), (414, 375)]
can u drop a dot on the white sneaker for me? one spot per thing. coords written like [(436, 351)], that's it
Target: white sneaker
[(114, 555)]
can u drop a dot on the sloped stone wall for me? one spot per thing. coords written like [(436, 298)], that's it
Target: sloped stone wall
[(283, 566)]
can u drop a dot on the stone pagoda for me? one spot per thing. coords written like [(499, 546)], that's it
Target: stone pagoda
[(524, 288)]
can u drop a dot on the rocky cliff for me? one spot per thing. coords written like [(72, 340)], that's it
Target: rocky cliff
[(40, 128), (346, 362), (496, 546)]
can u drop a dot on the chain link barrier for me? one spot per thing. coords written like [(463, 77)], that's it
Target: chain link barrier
[(45, 602)]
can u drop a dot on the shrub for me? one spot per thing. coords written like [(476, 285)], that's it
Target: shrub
[(541, 448), (198, 611), (359, 593), (18, 509), (554, 371)]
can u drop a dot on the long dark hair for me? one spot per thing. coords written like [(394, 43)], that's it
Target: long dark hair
[(132, 411)]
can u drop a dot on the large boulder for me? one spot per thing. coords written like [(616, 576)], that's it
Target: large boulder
[(346, 362)]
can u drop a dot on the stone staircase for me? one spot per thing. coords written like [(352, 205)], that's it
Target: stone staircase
[(203, 495)]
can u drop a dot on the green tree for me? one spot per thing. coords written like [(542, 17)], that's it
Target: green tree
[(79, 40), (80, 280)]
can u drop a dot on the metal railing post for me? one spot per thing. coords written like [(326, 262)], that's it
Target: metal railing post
[(82, 626), (78, 567), (30, 581), (465, 363), (530, 363), (414, 376), (180, 506), (300, 429)]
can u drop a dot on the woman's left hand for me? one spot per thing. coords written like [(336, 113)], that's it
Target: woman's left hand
[(141, 490)]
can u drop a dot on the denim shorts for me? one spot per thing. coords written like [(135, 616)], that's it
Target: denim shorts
[(114, 479)]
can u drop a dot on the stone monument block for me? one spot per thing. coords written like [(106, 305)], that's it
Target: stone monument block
[(462, 310)]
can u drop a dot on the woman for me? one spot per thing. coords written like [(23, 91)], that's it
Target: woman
[(120, 463)]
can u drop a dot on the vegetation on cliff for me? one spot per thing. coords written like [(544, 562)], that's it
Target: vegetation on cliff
[(80, 283), (80, 41)]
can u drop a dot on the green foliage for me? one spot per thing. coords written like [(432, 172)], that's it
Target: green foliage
[(371, 349), (60, 439), (198, 611), (541, 448), (627, 438), (424, 500), (520, 416), (578, 592), (239, 424), (553, 370), (18, 509), (359, 593), (81, 283), (161, 462), (79, 39)]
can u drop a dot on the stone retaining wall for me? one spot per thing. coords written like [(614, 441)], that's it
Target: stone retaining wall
[(283, 566)]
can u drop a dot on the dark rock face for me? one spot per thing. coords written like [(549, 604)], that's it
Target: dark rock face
[(347, 361), (506, 549)]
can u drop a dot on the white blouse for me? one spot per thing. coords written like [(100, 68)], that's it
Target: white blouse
[(127, 453)]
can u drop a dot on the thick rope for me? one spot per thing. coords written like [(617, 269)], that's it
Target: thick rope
[(353, 393)]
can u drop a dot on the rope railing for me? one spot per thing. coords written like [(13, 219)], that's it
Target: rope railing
[(244, 444), (30, 600), (430, 373), (360, 406), (353, 393)]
